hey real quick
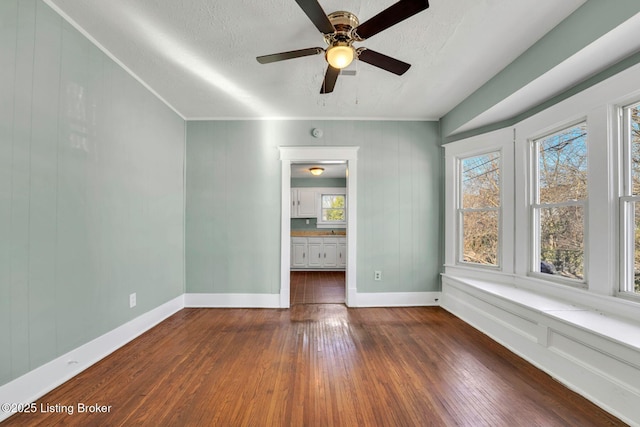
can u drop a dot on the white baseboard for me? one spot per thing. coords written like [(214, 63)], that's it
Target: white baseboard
[(232, 300), (38, 382), (395, 299)]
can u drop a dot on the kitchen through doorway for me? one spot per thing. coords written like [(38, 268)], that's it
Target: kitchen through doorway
[(318, 232), (347, 245)]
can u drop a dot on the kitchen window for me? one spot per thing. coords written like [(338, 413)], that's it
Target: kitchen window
[(332, 208)]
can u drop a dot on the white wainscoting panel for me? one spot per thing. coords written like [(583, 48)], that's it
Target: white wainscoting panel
[(595, 354)]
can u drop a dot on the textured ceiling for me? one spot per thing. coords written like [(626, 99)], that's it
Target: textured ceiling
[(199, 55)]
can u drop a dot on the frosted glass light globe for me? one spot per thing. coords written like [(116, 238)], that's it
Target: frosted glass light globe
[(340, 56)]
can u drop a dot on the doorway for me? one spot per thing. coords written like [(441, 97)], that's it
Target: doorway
[(348, 155), (317, 287), (318, 232)]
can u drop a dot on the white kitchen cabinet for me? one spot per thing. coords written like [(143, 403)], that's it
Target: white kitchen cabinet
[(299, 252), (342, 253), (330, 252), (303, 203), (318, 252), (315, 251)]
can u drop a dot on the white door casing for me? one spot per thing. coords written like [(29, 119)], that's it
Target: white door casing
[(289, 155)]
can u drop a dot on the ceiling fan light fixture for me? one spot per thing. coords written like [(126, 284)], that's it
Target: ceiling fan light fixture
[(340, 29), (316, 171), (340, 56)]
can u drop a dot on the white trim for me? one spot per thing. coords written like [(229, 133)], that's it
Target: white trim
[(608, 305), (285, 229), (323, 153), (397, 299), (316, 118), (232, 300), (497, 141), (621, 119), (36, 383)]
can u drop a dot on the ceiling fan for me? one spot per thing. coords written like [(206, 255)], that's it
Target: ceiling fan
[(341, 29)]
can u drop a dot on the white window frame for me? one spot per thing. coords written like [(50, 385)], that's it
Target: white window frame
[(460, 211), (501, 141), (600, 105), (331, 192), (338, 224), (627, 200), (535, 205)]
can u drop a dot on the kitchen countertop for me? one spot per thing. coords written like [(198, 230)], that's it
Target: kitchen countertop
[(317, 233)]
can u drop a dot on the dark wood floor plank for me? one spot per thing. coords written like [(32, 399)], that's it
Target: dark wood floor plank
[(317, 365), (317, 287)]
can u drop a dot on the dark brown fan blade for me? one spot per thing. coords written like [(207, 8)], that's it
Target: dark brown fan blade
[(314, 11), (289, 55), (391, 16), (330, 78), (385, 62)]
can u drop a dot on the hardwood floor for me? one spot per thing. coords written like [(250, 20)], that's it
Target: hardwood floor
[(316, 365), (317, 287)]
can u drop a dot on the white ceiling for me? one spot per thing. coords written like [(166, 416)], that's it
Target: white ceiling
[(199, 55)]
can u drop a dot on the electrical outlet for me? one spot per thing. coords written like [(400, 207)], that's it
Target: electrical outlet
[(132, 300), (377, 275)]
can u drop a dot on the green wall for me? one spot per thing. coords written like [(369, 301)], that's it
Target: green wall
[(233, 202), (91, 191), (319, 182)]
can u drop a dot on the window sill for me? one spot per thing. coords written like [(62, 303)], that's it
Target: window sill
[(608, 325)]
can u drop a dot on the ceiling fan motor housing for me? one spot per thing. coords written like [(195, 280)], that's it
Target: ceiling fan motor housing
[(344, 23)]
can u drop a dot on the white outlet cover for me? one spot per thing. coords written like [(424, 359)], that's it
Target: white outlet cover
[(132, 300)]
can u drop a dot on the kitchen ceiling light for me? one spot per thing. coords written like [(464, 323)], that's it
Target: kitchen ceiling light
[(316, 171)]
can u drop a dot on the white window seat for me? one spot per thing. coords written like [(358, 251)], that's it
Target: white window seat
[(594, 353), (619, 329)]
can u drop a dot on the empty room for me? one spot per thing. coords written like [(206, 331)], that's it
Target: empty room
[(320, 213)]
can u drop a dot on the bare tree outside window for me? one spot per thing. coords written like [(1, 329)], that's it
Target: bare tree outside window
[(559, 205), (479, 208), (632, 231)]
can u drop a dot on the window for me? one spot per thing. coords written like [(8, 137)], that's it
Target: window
[(333, 210), (630, 201), (479, 209), (559, 165)]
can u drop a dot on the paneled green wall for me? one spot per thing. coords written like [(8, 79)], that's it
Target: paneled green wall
[(91, 191), (319, 182), (233, 202)]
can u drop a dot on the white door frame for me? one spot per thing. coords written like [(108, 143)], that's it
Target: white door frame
[(290, 155)]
